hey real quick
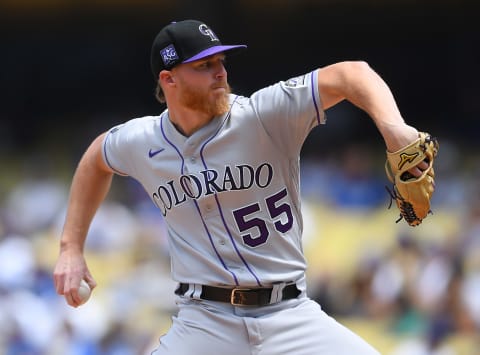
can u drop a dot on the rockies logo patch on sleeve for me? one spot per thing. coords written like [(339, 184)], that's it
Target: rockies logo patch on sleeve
[(294, 82)]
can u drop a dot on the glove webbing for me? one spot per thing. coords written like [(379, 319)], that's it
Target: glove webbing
[(406, 208)]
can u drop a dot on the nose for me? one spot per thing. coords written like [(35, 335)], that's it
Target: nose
[(221, 72)]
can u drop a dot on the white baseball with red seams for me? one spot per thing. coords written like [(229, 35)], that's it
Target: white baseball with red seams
[(84, 292)]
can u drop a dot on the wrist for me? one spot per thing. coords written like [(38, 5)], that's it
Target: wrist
[(397, 136), (69, 245)]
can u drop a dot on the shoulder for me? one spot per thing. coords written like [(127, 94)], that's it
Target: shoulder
[(288, 86), (300, 89), (137, 126), (132, 134), (144, 122)]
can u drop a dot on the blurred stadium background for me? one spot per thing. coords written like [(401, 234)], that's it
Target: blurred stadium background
[(71, 69)]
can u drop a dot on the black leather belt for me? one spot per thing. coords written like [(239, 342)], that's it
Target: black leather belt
[(241, 296)]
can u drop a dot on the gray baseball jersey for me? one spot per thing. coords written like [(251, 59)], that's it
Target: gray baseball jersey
[(230, 192)]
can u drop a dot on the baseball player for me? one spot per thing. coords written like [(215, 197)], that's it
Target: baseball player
[(223, 171)]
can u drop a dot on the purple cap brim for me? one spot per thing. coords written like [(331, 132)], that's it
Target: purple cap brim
[(211, 51)]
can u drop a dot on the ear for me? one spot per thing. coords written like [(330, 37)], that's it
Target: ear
[(166, 77)]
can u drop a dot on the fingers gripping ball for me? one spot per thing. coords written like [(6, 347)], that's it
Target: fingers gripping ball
[(412, 194), (84, 292)]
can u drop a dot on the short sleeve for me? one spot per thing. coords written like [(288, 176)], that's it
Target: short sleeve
[(114, 150), (289, 110)]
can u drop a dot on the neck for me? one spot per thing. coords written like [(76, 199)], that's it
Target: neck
[(188, 121)]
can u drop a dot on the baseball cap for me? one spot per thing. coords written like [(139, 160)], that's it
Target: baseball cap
[(184, 42)]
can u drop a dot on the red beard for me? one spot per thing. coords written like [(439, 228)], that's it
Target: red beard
[(202, 101)]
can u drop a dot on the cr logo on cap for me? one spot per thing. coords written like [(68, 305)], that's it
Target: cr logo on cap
[(205, 30)]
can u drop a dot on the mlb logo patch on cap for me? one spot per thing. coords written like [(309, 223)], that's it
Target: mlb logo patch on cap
[(169, 55)]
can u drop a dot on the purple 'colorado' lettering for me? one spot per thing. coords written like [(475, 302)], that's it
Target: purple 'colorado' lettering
[(177, 200), (210, 181), (229, 179), (160, 196), (187, 187), (268, 177), (242, 168)]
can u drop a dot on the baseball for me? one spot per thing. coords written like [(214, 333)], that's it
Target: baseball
[(84, 291)]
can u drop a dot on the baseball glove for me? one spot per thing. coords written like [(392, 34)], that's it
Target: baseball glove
[(412, 194)]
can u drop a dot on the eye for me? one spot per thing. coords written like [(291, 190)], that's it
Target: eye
[(203, 65), (210, 63)]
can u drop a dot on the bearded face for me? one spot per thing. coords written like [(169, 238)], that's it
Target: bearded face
[(213, 100)]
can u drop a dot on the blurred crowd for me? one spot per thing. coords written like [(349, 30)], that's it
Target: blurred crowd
[(72, 69), (424, 292)]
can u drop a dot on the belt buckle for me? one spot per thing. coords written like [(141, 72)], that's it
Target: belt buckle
[(236, 296)]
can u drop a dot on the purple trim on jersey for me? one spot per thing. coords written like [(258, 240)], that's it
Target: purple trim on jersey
[(106, 157), (220, 208), (213, 245), (173, 145), (196, 205), (314, 98)]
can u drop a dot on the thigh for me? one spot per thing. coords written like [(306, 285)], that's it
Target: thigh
[(201, 330), (306, 330)]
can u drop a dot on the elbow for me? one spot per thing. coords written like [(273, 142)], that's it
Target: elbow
[(355, 74), (356, 67), (347, 73), (342, 80)]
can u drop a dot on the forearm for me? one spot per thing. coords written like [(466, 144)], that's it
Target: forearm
[(89, 188), (366, 89)]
